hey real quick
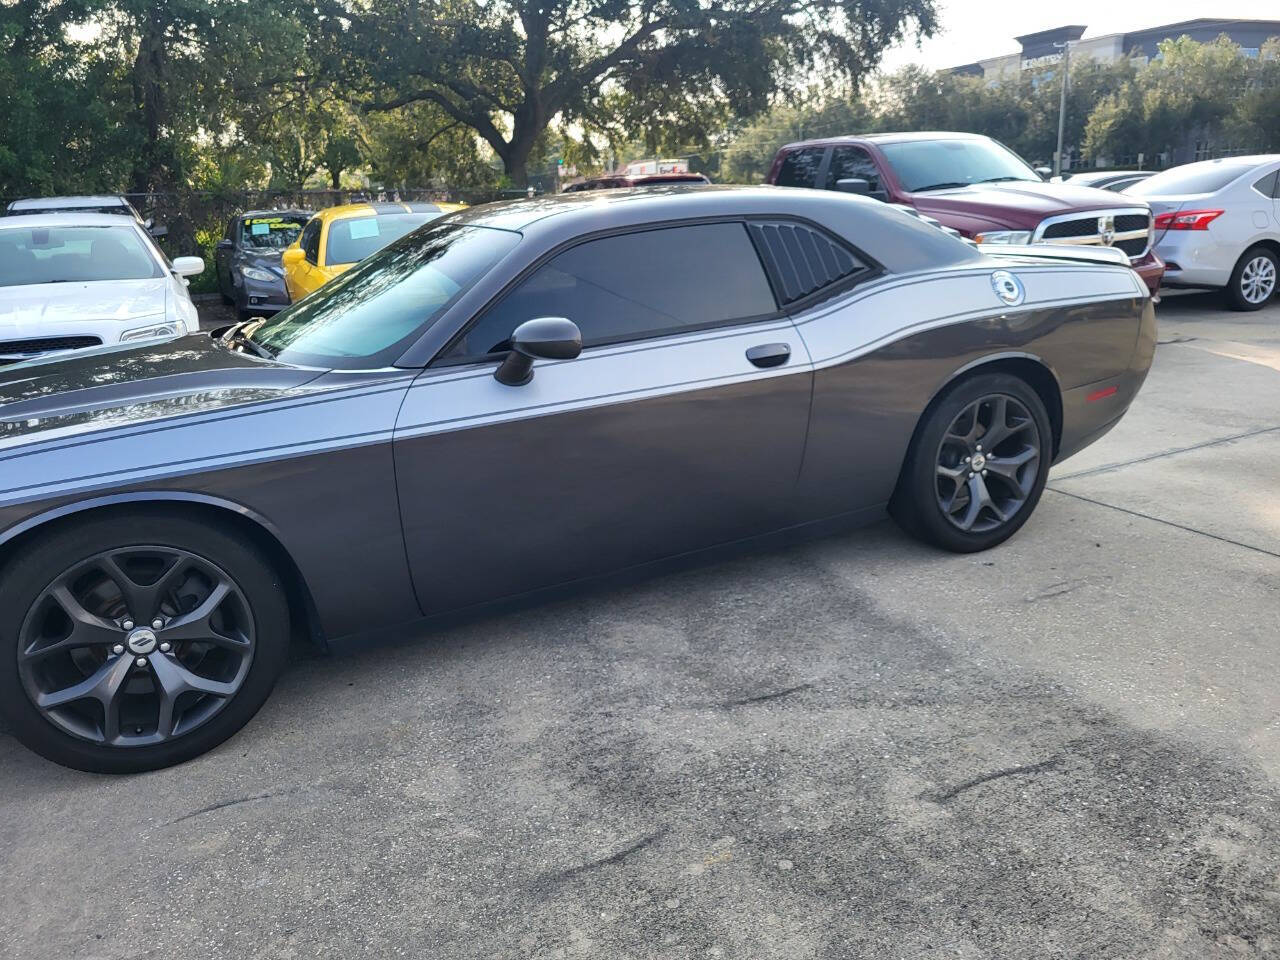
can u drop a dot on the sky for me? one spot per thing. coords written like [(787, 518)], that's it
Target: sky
[(976, 29)]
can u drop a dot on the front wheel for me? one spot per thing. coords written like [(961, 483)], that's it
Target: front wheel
[(977, 465), (1253, 281), (133, 643)]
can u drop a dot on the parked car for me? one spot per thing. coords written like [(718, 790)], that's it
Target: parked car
[(1113, 180), (522, 396), (336, 239), (74, 280), (247, 259), (976, 185), (622, 181), (1217, 225), (109, 203)]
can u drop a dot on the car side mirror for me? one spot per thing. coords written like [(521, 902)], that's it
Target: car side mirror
[(854, 185), (546, 338), (157, 232), (291, 257), (225, 244), (1045, 172), (188, 266)]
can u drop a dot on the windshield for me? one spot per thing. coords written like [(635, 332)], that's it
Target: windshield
[(352, 240), (936, 164), (270, 233), (30, 255), (1207, 177), (366, 317)]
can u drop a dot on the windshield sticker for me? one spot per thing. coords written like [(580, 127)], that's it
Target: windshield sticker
[(362, 229), (258, 229)]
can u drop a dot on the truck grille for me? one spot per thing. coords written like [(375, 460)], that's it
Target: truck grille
[(1127, 230), (11, 351)]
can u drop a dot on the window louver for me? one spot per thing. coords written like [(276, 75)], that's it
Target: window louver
[(801, 259)]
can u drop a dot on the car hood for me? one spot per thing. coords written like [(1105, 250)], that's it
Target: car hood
[(1020, 204), (134, 383), (267, 259), (29, 310)]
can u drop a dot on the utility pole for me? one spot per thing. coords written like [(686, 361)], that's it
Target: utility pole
[(1062, 104)]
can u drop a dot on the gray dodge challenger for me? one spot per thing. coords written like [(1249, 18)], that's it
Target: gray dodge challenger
[(515, 398)]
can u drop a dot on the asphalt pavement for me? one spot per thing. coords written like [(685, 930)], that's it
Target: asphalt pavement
[(857, 747)]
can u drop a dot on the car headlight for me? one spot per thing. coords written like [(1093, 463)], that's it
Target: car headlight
[(171, 328), (257, 273), (1004, 236)]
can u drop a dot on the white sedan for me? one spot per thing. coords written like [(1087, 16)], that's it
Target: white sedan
[(75, 280), (1217, 225)]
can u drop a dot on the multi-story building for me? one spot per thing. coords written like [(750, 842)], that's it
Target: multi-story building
[(1044, 48)]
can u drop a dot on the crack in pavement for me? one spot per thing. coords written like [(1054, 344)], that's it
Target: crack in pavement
[(1169, 523), (761, 698), (614, 857), (219, 806), (1166, 453), (942, 796)]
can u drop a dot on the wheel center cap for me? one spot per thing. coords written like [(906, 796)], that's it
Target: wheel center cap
[(141, 641), (979, 462)]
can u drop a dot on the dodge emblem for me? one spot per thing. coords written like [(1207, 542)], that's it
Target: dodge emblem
[(1107, 230)]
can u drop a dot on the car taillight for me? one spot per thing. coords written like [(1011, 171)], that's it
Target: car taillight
[(1187, 220)]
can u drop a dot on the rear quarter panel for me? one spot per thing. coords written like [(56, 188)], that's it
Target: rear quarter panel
[(885, 351)]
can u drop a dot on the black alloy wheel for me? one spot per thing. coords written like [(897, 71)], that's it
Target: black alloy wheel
[(142, 654), (977, 465)]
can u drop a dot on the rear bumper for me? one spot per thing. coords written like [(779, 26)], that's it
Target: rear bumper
[(1196, 259), (1091, 410)]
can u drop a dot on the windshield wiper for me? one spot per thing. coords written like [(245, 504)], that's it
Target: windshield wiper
[(237, 335), (941, 186), (1003, 179)]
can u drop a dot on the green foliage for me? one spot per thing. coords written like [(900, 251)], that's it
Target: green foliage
[(658, 70)]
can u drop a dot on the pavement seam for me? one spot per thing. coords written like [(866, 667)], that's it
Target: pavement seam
[(1166, 453), (1168, 523)]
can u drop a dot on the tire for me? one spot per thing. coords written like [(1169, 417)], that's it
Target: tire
[(1254, 280), (1017, 473), (213, 686)]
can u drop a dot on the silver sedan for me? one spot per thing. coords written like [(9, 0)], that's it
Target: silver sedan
[(1217, 225)]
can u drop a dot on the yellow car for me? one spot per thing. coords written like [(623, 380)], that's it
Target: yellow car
[(336, 239)]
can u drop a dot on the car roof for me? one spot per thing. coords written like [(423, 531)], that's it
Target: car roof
[(375, 209), (902, 242), (69, 219), (106, 200), (887, 138)]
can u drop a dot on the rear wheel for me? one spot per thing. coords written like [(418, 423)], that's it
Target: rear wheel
[(132, 644), (1254, 280), (977, 465)]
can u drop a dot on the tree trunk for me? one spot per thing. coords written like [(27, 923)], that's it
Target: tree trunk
[(335, 177), (153, 171)]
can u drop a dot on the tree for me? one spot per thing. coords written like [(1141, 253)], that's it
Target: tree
[(508, 69)]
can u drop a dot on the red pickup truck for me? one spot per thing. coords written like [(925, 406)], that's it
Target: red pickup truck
[(977, 186)]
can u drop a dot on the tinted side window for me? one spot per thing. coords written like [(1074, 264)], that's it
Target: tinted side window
[(310, 241), (800, 167), (635, 285), (1267, 186), (803, 260), (849, 163)]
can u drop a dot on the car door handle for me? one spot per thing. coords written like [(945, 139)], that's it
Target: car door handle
[(769, 354)]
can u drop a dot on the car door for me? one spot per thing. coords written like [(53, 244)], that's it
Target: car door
[(222, 259), (299, 276), (681, 425)]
